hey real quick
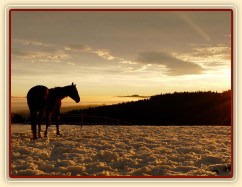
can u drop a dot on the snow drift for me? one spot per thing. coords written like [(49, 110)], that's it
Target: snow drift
[(122, 151)]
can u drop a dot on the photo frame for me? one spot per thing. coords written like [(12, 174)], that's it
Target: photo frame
[(166, 177)]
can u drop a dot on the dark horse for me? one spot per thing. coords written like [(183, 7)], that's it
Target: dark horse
[(45, 102)]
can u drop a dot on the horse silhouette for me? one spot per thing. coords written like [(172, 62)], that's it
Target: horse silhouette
[(45, 102)]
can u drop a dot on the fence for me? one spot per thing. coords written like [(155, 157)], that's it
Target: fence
[(73, 119), (82, 119)]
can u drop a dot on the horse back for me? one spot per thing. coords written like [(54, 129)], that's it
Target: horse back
[(37, 97)]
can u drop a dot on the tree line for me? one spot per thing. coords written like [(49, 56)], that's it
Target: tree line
[(179, 108)]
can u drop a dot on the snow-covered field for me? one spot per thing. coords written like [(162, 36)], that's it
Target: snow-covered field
[(122, 151)]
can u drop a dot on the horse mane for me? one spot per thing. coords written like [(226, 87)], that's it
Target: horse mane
[(59, 92), (66, 91)]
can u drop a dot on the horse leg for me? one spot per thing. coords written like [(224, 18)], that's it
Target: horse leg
[(48, 117), (57, 124), (33, 116), (40, 117), (57, 114)]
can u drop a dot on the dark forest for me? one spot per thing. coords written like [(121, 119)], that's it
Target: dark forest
[(179, 108)]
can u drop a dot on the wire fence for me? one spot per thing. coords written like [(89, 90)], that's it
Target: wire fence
[(75, 119), (83, 119)]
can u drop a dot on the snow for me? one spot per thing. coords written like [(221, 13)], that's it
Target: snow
[(122, 151)]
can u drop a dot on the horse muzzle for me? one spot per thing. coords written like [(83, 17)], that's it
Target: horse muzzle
[(77, 100)]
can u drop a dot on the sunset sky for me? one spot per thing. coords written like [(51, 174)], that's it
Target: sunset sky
[(120, 53)]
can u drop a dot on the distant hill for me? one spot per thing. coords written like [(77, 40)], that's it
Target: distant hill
[(179, 108), (135, 96)]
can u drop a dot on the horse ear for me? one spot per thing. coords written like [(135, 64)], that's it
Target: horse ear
[(72, 84)]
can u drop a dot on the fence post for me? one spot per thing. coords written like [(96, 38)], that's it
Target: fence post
[(82, 119)]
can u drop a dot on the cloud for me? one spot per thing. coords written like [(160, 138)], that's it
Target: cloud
[(174, 66), (208, 56), (28, 42), (41, 56), (71, 63), (78, 47), (132, 68), (123, 61), (41, 51), (37, 51), (212, 50), (102, 53), (19, 52)]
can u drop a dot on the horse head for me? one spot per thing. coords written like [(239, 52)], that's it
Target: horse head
[(73, 93)]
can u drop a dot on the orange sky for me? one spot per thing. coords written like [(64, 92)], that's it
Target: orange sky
[(108, 54)]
